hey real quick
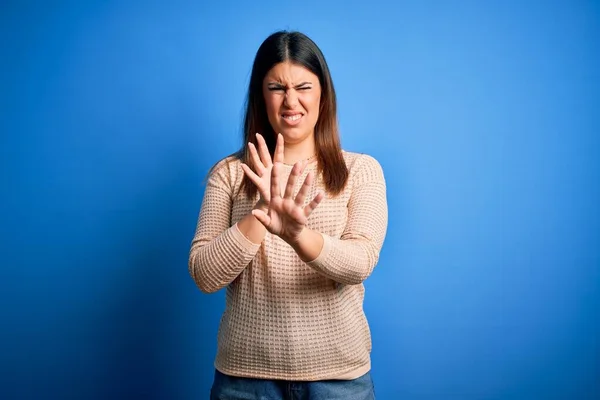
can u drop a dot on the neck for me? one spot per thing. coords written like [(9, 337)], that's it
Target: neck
[(293, 153)]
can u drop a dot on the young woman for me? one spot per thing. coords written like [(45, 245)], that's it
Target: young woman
[(291, 226)]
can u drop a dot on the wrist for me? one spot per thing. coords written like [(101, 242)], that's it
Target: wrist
[(307, 244), (297, 240)]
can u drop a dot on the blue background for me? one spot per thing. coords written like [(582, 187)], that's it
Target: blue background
[(484, 115)]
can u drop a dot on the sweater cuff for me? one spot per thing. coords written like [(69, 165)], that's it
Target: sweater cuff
[(324, 252), (242, 240)]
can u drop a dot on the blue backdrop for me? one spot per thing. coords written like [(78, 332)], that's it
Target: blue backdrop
[(484, 115)]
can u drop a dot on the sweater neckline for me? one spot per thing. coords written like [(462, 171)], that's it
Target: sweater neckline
[(310, 164)]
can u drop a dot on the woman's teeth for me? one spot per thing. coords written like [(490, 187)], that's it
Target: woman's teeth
[(293, 117)]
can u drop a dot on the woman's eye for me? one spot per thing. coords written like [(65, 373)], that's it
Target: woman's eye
[(304, 88)]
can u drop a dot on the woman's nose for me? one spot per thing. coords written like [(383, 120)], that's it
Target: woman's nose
[(291, 98)]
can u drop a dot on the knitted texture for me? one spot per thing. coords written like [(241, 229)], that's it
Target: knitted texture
[(284, 318)]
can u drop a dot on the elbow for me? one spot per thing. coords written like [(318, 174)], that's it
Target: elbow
[(207, 289), (359, 277), (367, 269), (363, 277), (206, 285)]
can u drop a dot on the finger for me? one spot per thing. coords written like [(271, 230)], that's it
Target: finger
[(299, 200), (251, 175), (262, 217), (263, 150), (291, 183), (313, 204), (258, 165), (275, 190), (278, 155)]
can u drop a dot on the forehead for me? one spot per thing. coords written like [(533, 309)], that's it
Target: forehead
[(290, 73)]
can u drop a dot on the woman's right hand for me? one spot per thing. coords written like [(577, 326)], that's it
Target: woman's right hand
[(263, 165)]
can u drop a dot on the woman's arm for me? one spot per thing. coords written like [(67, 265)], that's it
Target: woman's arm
[(219, 251), (351, 258)]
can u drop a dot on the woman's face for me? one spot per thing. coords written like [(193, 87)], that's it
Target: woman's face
[(292, 96)]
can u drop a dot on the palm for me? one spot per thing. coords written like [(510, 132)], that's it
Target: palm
[(286, 218), (287, 215)]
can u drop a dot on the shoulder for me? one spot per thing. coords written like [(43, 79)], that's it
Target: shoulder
[(226, 173), (363, 167), (226, 163)]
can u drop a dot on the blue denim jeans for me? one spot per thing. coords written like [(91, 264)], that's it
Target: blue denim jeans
[(227, 387)]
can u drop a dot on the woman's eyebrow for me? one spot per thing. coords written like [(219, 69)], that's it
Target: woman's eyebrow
[(281, 84)]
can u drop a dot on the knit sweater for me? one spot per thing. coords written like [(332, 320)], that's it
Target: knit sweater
[(284, 318)]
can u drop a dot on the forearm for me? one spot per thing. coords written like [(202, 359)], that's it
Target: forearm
[(251, 227), (349, 261), (216, 263), (220, 251), (308, 245)]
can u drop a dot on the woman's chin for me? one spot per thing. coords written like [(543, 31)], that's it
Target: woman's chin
[(294, 135)]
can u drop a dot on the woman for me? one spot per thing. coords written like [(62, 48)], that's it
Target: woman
[(291, 226)]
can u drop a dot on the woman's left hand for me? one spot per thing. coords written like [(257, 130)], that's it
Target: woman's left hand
[(287, 215)]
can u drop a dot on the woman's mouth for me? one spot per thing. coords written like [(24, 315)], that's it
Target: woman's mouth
[(292, 119)]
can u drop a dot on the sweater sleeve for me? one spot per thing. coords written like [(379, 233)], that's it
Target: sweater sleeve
[(219, 251), (351, 258)]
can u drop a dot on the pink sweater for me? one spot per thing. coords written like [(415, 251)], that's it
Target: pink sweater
[(284, 318)]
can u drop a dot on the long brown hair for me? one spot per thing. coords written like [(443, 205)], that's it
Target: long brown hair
[(299, 49)]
